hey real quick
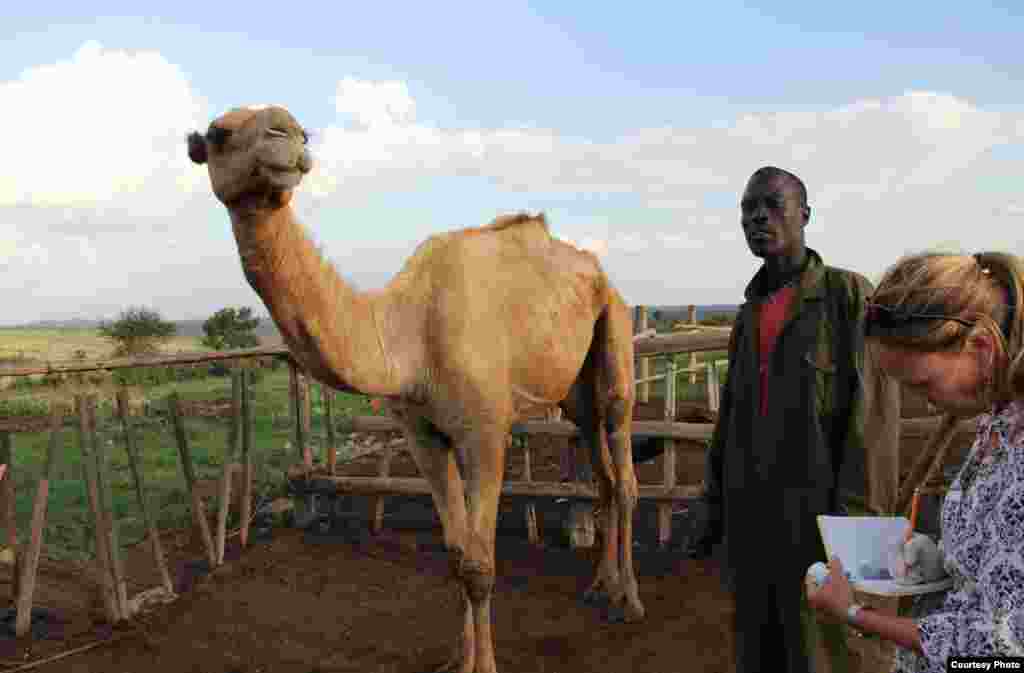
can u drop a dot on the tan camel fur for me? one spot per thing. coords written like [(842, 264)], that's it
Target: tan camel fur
[(479, 328)]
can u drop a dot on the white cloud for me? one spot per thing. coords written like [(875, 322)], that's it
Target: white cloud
[(101, 187), (375, 104), (102, 130)]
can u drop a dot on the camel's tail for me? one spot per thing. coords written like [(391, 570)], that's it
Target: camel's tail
[(601, 400)]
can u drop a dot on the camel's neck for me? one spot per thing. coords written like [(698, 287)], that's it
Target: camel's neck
[(332, 330)]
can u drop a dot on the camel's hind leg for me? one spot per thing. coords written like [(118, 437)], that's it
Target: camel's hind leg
[(607, 588), (435, 459), (614, 346)]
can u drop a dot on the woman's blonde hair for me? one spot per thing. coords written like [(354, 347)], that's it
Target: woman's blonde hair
[(935, 301)]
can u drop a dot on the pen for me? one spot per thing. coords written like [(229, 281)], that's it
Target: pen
[(913, 513)]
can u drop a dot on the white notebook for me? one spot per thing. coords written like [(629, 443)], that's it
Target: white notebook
[(871, 539)]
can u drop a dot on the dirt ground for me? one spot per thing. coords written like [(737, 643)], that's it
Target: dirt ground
[(344, 600)]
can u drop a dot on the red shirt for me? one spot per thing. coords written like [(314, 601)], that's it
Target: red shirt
[(773, 312)]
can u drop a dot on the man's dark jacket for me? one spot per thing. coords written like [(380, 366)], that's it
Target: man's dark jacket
[(830, 433)]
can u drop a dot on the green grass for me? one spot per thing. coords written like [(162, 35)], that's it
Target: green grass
[(67, 531)]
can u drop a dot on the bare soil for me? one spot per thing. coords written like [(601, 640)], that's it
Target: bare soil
[(344, 600)]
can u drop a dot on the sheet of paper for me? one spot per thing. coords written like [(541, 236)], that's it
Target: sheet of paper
[(871, 539)]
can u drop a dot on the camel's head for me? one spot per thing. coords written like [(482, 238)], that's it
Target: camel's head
[(258, 153)]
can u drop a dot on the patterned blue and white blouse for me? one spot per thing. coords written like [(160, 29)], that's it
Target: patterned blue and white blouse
[(983, 544)]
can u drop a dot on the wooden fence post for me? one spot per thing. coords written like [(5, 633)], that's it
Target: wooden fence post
[(691, 317), (224, 494), (532, 531), (108, 588), (245, 509), (377, 502), (105, 489), (300, 422), (7, 501), (307, 420), (293, 393), (332, 449), (670, 388), (140, 494), (27, 582), (639, 325), (713, 386), (198, 510), (669, 479)]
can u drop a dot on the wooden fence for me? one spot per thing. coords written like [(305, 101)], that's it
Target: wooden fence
[(113, 585), (323, 479)]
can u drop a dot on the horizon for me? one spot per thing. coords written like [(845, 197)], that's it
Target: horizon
[(634, 131)]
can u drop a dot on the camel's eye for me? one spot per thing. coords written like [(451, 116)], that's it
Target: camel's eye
[(217, 136), (277, 133), (305, 137)]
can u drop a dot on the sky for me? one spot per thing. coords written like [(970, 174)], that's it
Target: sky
[(632, 126)]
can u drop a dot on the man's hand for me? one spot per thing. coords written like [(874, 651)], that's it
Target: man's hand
[(707, 531)]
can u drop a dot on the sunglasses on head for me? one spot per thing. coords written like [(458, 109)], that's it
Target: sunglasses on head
[(888, 317)]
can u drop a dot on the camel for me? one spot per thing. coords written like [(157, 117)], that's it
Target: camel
[(480, 327)]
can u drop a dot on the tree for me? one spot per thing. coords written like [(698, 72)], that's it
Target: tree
[(137, 331), (719, 319), (228, 329)]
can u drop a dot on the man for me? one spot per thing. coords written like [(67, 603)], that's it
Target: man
[(791, 440)]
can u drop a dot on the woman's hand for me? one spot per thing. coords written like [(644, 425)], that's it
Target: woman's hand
[(835, 595)]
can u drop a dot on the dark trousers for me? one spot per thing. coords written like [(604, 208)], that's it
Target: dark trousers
[(775, 629)]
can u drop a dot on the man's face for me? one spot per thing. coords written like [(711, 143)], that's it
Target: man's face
[(773, 217)]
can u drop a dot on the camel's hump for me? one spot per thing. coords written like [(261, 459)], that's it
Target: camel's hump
[(519, 220)]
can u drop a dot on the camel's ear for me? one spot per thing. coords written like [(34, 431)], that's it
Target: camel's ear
[(196, 148)]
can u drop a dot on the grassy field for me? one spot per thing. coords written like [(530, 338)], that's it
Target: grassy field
[(28, 346), (68, 531)]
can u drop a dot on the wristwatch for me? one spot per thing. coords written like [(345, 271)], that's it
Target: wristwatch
[(851, 614)]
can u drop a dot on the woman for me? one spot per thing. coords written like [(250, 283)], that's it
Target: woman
[(950, 326)]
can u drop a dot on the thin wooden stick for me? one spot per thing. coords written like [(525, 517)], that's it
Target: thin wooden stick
[(532, 531), (293, 402), (107, 587), (84, 648), (332, 449), (245, 507), (377, 502), (133, 463), (198, 510), (7, 501), (300, 422), (668, 458), (307, 421), (225, 480), (30, 566), (104, 489)]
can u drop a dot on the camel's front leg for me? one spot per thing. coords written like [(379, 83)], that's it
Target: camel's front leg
[(485, 471), (436, 462)]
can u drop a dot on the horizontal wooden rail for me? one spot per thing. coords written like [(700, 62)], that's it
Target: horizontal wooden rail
[(700, 340), (533, 489), (909, 427), (694, 431), (67, 366), (703, 339)]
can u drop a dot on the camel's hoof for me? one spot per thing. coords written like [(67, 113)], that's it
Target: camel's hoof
[(623, 613), (596, 598)]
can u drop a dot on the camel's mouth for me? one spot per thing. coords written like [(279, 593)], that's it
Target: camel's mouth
[(278, 176)]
